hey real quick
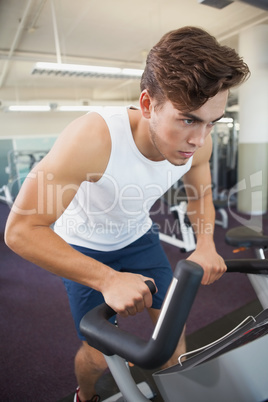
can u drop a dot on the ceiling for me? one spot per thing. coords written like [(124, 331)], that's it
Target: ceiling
[(98, 32)]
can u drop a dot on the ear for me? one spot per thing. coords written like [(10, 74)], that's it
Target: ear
[(146, 104)]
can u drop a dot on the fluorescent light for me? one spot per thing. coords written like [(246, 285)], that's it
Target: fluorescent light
[(85, 70), (79, 68), (226, 120), (29, 108), (132, 72), (56, 108), (77, 108), (73, 108)]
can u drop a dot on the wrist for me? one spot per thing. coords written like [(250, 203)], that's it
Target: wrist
[(205, 241), (107, 278)]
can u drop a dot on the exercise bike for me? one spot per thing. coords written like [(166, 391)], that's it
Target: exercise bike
[(6, 196), (244, 237), (222, 372)]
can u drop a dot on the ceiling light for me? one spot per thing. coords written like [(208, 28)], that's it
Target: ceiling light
[(132, 72), (226, 120), (63, 69), (55, 107), (29, 108), (78, 108)]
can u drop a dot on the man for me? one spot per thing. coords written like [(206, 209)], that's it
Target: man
[(105, 171)]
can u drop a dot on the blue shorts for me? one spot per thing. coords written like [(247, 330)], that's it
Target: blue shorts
[(145, 256)]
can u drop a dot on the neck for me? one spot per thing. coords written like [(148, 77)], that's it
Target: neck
[(141, 135)]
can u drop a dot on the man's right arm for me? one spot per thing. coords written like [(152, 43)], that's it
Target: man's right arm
[(81, 153), (45, 194)]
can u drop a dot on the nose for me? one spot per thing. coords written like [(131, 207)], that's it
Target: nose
[(198, 136)]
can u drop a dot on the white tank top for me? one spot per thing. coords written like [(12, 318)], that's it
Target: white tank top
[(113, 212)]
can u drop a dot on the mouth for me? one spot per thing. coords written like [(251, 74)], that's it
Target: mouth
[(186, 155)]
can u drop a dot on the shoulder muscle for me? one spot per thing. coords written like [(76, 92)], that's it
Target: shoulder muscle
[(80, 153), (83, 149)]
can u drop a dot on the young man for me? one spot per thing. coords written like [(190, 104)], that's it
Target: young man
[(105, 171)]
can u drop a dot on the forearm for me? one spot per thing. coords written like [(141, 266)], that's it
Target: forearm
[(40, 245), (201, 213)]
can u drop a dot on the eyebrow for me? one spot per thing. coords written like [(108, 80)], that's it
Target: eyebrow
[(196, 118)]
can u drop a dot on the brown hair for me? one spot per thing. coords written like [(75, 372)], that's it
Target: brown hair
[(188, 66)]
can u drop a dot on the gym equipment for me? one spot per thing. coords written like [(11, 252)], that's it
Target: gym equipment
[(117, 345), (208, 377), (176, 200), (188, 239), (247, 237), (233, 370), (5, 195), (220, 208), (224, 158), (223, 164), (20, 163)]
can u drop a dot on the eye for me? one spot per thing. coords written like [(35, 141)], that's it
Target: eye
[(188, 122), (212, 123)]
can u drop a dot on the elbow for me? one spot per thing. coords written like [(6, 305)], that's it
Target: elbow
[(13, 237), (10, 238)]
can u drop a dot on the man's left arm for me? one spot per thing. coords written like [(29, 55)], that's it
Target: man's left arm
[(201, 213)]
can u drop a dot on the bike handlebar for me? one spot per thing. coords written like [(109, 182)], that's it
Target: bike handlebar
[(249, 266), (110, 340)]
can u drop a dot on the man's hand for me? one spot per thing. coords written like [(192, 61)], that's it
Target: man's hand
[(211, 262), (127, 293)]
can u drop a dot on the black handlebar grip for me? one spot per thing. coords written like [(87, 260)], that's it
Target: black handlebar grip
[(110, 340), (151, 286), (248, 266)]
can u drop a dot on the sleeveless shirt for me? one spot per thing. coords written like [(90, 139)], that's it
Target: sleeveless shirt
[(114, 211)]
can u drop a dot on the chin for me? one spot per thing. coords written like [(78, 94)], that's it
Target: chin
[(177, 161)]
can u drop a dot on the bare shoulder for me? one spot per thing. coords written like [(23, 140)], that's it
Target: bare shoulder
[(81, 153), (82, 149)]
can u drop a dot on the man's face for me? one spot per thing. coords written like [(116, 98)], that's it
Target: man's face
[(177, 135)]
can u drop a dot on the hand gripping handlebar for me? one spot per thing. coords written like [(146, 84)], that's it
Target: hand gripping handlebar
[(110, 340)]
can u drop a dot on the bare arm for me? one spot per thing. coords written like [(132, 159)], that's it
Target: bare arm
[(81, 153), (201, 213)]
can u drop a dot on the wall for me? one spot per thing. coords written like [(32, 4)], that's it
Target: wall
[(15, 124), (26, 133)]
